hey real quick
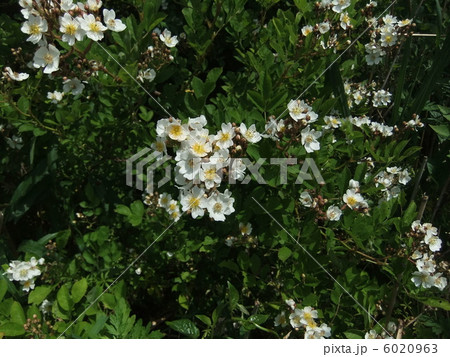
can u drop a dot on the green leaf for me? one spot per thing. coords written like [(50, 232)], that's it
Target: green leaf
[(12, 329), (442, 130), (284, 253), (233, 296), (79, 290), (137, 212), (39, 294), (354, 334), (258, 319), (17, 313), (3, 287), (434, 302), (205, 319), (122, 209), (185, 327), (410, 214), (64, 299)]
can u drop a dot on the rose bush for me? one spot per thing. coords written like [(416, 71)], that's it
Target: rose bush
[(308, 145)]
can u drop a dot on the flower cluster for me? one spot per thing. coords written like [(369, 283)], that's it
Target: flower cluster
[(361, 93), (386, 35), (202, 160), (372, 334), (245, 230), (353, 199), (303, 318), (332, 23), (24, 272), (426, 275), (157, 55), (74, 22), (332, 213), (390, 179)]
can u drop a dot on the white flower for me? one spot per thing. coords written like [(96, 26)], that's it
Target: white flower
[(138, 271), (220, 158), (372, 334), (71, 29), (168, 39), (339, 5), (307, 314), (404, 22), (94, 5), (381, 98), (35, 27), (250, 134), (354, 199), (404, 177), (345, 20), (46, 307), (306, 200), (374, 53), (426, 264), (295, 317), (47, 57), (237, 169), (229, 241), (197, 123), (334, 213), (322, 331), (390, 20), (194, 201), (245, 228), (324, 27), (331, 122), (306, 30), (113, 24), (199, 146), (209, 175), (220, 205), (67, 5), (161, 127), (224, 138), (16, 76), (55, 96), (280, 320), (175, 215), (353, 184), (423, 279), (73, 85), (298, 109), (28, 285), (309, 139), (164, 199), (388, 36), (434, 243), (94, 29), (290, 303), (440, 282), (177, 131), (149, 75)]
